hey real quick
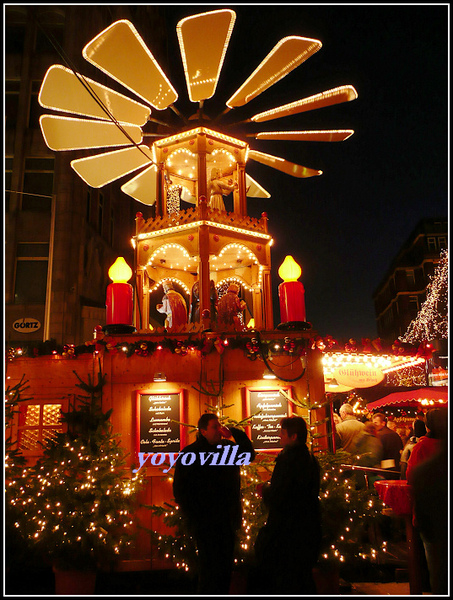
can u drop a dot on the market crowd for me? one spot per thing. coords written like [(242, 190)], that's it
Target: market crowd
[(417, 454), (288, 545)]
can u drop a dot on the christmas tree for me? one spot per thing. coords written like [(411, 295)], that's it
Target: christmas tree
[(431, 322), (16, 547), (75, 504)]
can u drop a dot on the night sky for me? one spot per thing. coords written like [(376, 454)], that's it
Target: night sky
[(345, 227)]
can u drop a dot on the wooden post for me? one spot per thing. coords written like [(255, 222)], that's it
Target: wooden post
[(138, 296), (240, 194)]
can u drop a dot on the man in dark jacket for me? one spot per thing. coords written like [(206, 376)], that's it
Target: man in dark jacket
[(207, 488), (287, 547), (392, 446)]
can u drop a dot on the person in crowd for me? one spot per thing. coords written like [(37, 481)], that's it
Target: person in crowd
[(336, 420), (391, 444), (428, 444), (208, 492), (369, 451), (418, 431), (428, 475), (391, 423), (404, 433), (287, 547), (349, 429), (421, 417)]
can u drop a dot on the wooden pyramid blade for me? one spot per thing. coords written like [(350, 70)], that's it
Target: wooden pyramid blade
[(344, 93), (120, 52), (254, 189), (337, 135), (283, 165), (64, 90), (143, 186), (289, 53), (203, 41), (66, 133), (101, 169)]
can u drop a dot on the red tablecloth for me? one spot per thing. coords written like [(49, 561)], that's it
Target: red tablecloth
[(397, 494)]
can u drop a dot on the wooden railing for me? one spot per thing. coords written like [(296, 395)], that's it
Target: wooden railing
[(203, 213)]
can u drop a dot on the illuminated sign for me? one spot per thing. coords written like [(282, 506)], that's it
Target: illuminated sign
[(358, 375), (26, 325), (269, 407)]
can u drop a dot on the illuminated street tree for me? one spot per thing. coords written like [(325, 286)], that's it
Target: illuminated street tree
[(431, 322)]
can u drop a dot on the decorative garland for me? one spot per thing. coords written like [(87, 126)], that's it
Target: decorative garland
[(254, 347)]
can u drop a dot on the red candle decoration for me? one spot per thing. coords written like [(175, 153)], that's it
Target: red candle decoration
[(291, 292), (120, 299)]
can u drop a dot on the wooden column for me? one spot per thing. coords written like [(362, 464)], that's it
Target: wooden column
[(240, 195), (257, 307), (203, 232), (161, 205), (139, 277), (267, 301), (202, 175)]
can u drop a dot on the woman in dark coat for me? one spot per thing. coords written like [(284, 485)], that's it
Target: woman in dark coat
[(288, 546)]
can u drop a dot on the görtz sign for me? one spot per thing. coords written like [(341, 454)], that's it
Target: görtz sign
[(358, 375), (26, 325)]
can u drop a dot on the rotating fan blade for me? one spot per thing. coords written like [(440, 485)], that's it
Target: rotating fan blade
[(64, 90), (337, 135), (283, 165), (344, 93), (120, 52), (203, 40), (65, 133), (254, 189), (101, 169), (289, 53), (143, 186)]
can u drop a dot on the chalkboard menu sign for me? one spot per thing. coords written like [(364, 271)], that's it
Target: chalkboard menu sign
[(159, 415), (271, 406)]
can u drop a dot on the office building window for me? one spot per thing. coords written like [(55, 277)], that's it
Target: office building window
[(15, 29), (8, 178), (413, 305), (38, 184), (31, 273), (431, 243), (50, 31), (36, 110), (12, 87), (410, 277)]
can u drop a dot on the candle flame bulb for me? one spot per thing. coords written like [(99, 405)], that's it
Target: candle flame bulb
[(289, 270), (120, 271)]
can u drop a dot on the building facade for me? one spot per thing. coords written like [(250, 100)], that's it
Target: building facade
[(61, 234), (402, 291)]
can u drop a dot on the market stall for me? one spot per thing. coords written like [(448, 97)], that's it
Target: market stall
[(423, 397)]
